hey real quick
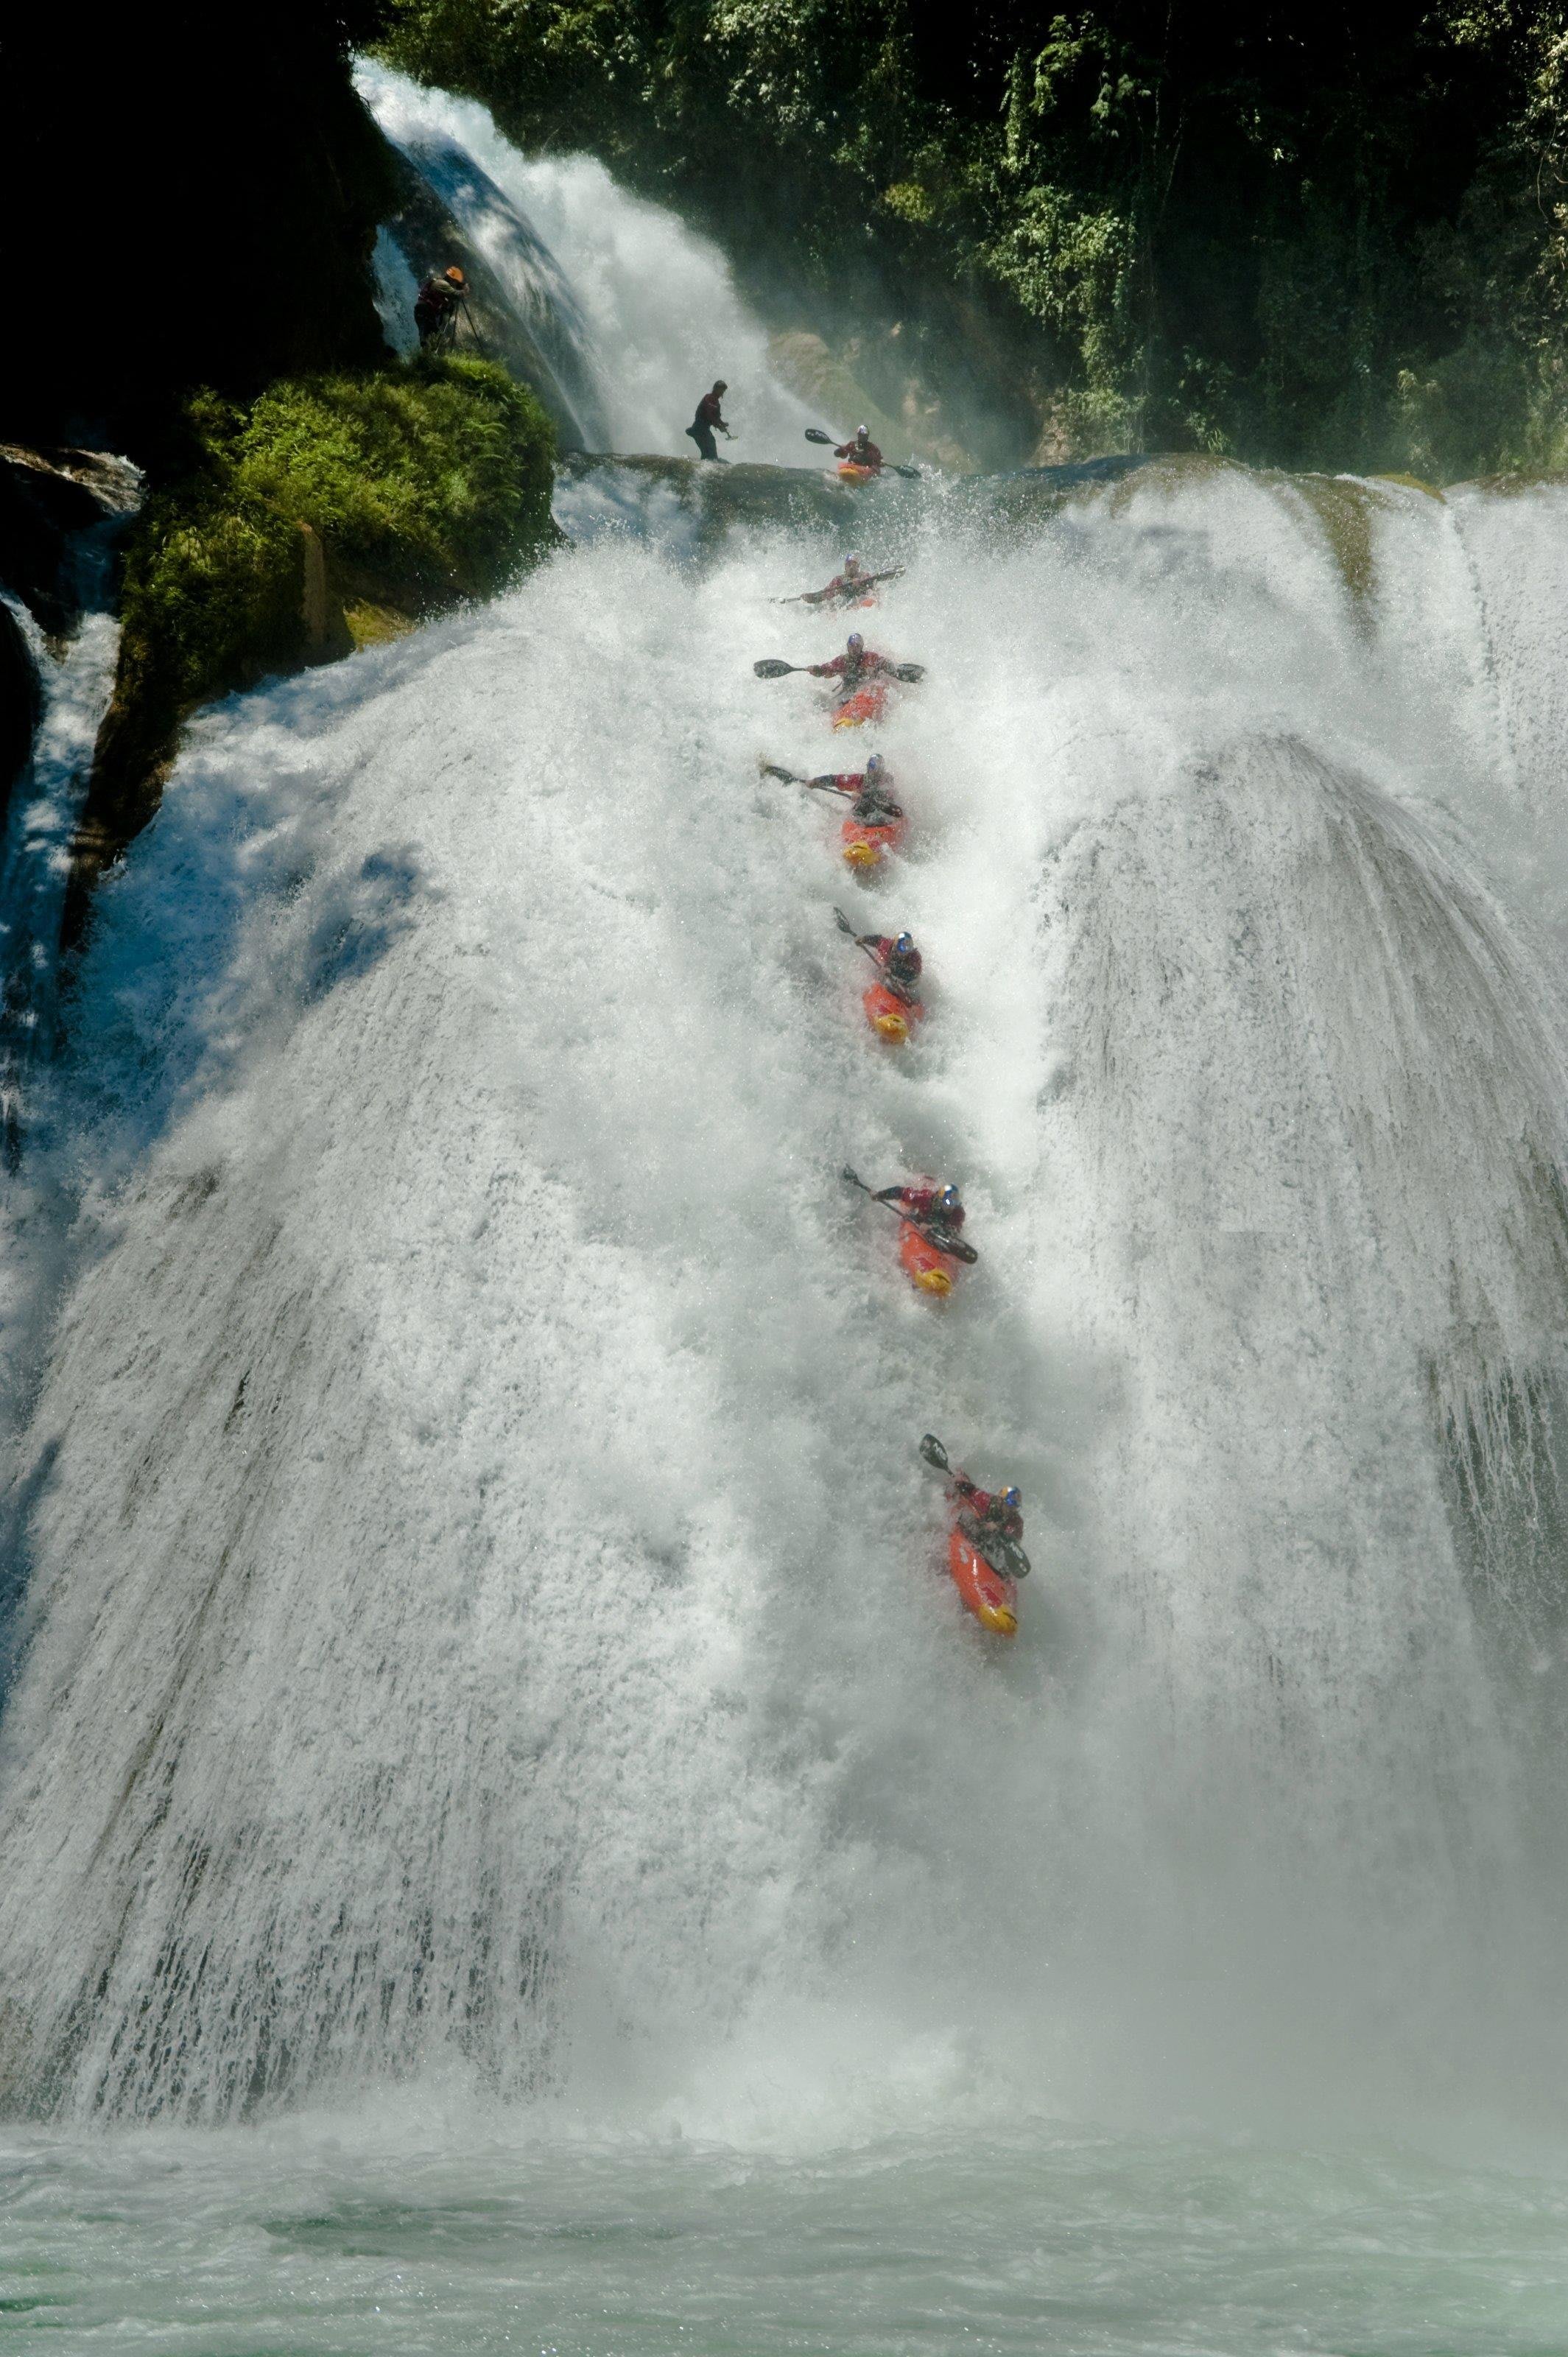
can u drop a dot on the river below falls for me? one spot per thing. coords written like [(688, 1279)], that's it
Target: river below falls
[(371, 2237)]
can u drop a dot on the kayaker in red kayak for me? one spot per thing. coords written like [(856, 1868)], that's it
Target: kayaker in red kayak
[(862, 452), (845, 588), (993, 1521), (900, 961), (985, 1551), (935, 1210), (856, 666)]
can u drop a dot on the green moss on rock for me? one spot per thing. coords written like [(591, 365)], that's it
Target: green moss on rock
[(398, 492)]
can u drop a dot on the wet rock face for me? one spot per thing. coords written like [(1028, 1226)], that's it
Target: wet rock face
[(56, 506), (47, 499)]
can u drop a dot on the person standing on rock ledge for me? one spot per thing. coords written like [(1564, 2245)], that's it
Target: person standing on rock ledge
[(709, 419), (437, 306)]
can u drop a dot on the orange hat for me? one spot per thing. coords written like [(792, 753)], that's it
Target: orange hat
[(455, 275)]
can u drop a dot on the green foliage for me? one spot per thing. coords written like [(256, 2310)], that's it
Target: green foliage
[(431, 481), (424, 483), (1241, 228)]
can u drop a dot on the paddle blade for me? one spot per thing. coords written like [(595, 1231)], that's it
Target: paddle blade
[(933, 1452), (909, 673), (769, 667), (852, 1178), (844, 926), (772, 770), (815, 434)]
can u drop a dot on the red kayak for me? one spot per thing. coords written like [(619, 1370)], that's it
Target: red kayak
[(989, 1595), (889, 1016), (927, 1267), (865, 704), (867, 846)]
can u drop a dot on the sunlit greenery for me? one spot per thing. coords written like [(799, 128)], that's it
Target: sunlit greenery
[(423, 483), (1274, 231)]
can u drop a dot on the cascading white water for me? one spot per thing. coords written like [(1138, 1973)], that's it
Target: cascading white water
[(76, 675), (485, 1591), (653, 308)]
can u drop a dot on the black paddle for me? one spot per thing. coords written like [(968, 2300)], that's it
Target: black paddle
[(1017, 1562), (793, 778), (774, 667), (861, 943), (954, 1245), (815, 434), (846, 595)]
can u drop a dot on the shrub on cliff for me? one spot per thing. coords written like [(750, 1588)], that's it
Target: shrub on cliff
[(425, 484), (418, 485)]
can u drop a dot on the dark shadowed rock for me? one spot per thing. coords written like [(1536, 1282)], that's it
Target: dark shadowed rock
[(47, 499)]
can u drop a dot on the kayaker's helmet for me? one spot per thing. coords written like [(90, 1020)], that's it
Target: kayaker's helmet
[(863, 433), (948, 1200), (454, 276), (904, 945), (851, 564), (856, 643), (719, 385), (874, 765), (1012, 1497)]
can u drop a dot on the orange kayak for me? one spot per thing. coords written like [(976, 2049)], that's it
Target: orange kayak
[(867, 846), (849, 473), (991, 1598), (889, 1016), (928, 1268), (865, 704)]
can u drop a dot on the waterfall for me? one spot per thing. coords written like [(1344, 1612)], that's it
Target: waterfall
[(485, 1605), (618, 290), (75, 668)]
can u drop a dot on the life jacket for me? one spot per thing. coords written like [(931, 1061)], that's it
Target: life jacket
[(853, 668), (988, 1512), (921, 1201), (905, 969)]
